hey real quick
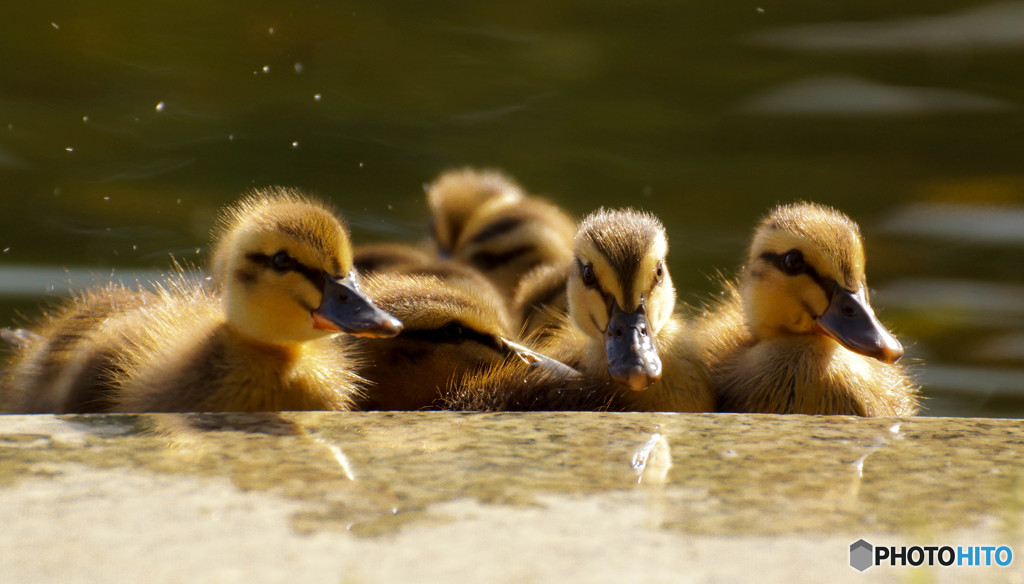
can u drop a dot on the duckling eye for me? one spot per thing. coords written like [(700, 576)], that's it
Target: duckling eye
[(659, 273), (282, 261), (588, 276), (793, 263)]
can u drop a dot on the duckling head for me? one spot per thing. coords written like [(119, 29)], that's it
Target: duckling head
[(805, 275), (458, 194), (619, 290), (284, 264)]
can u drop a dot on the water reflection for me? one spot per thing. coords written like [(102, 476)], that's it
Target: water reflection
[(958, 302), (652, 461), (42, 281), (153, 169), (845, 96), (340, 456), (992, 26), (975, 224), (8, 160), (983, 382), (969, 329), (1007, 347)]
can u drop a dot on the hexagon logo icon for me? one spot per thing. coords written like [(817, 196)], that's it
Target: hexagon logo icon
[(861, 553)]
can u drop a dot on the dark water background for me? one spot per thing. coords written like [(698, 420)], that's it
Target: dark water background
[(126, 125)]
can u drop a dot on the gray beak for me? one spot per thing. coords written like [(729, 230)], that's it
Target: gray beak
[(851, 322), (345, 308), (632, 359)]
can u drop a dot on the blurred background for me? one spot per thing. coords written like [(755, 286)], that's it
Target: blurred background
[(125, 127)]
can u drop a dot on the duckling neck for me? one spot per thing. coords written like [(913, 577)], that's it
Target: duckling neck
[(802, 374), (247, 345), (257, 376), (684, 385)]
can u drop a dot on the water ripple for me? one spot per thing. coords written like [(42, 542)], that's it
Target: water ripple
[(992, 26), (33, 281), (1001, 225), (845, 95)]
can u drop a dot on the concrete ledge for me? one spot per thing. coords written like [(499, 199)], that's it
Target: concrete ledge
[(452, 497)]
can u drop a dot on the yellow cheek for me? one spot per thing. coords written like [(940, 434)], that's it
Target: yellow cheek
[(587, 309), (286, 293), (599, 316), (810, 302), (660, 306), (308, 297), (780, 303), (814, 300)]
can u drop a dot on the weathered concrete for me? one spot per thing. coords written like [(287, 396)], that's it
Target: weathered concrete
[(445, 497)]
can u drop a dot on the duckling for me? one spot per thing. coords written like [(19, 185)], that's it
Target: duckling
[(57, 368), (259, 340), (485, 220), (797, 333), (17, 338), (517, 386), (385, 256), (454, 322), (410, 260), (621, 333), (539, 302)]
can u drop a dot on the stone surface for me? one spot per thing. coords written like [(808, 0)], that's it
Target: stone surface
[(450, 497)]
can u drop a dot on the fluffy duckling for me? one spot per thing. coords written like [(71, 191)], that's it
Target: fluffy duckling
[(797, 334), (382, 257), (485, 220), (622, 328), (454, 322), (58, 367), (259, 341), (622, 334), (539, 302), (516, 386), (410, 260)]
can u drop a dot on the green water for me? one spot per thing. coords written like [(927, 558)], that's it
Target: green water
[(125, 127)]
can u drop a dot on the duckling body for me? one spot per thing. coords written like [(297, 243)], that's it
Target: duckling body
[(515, 386), (454, 324), (622, 334), (485, 220), (540, 302), (797, 333), (258, 340), (182, 355), (59, 366), (386, 256), (813, 377)]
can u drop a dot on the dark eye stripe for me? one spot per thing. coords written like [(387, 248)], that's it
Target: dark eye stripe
[(776, 259), (496, 228), (608, 298), (488, 260), (315, 277), (453, 332)]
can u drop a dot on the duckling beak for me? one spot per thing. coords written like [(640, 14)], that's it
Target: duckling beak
[(850, 321), (540, 361), (632, 358), (346, 309)]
